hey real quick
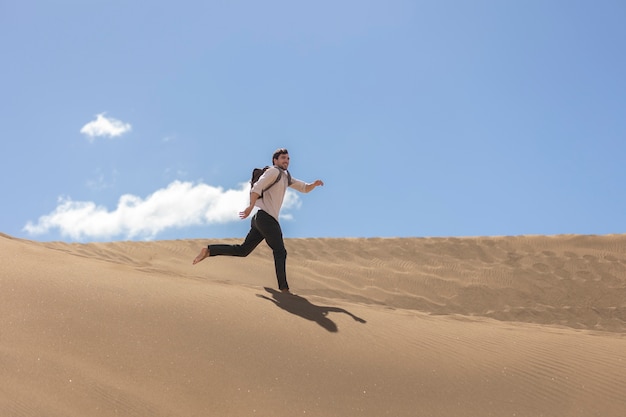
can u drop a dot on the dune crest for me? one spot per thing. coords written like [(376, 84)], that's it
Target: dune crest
[(574, 281)]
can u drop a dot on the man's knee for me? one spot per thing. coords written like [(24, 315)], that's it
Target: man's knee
[(280, 253)]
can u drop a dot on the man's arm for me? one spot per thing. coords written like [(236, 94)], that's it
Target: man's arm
[(310, 187), (253, 198), (304, 187), (265, 179)]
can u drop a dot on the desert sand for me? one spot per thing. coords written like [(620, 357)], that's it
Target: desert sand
[(480, 326)]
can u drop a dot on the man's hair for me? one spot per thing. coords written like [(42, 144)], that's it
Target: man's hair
[(279, 152)]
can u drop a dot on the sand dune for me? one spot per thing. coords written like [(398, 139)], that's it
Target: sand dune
[(494, 326)]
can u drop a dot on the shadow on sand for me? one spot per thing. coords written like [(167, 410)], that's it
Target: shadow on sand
[(302, 307)]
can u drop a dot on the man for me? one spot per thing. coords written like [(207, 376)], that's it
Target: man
[(264, 224)]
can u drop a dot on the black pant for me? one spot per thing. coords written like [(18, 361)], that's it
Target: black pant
[(263, 226)]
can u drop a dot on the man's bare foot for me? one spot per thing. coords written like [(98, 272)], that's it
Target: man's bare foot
[(286, 291), (204, 253)]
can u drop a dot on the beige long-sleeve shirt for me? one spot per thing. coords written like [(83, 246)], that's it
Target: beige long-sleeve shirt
[(273, 198)]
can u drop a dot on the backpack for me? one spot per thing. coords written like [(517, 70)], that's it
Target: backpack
[(257, 172)]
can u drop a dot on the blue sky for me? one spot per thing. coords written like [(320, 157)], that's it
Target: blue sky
[(143, 120)]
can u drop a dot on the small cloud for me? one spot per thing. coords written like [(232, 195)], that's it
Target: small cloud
[(105, 127), (179, 205)]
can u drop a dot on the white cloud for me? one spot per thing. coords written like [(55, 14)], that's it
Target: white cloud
[(105, 127), (180, 204)]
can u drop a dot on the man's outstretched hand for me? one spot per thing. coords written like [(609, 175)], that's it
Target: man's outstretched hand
[(310, 187)]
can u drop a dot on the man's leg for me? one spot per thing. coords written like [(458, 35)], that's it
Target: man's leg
[(252, 240), (270, 228)]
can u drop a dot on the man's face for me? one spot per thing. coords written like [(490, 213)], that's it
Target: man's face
[(282, 161)]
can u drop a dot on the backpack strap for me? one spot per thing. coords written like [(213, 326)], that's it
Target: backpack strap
[(289, 179), (280, 174)]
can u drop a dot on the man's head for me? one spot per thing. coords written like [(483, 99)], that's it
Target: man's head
[(281, 158)]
